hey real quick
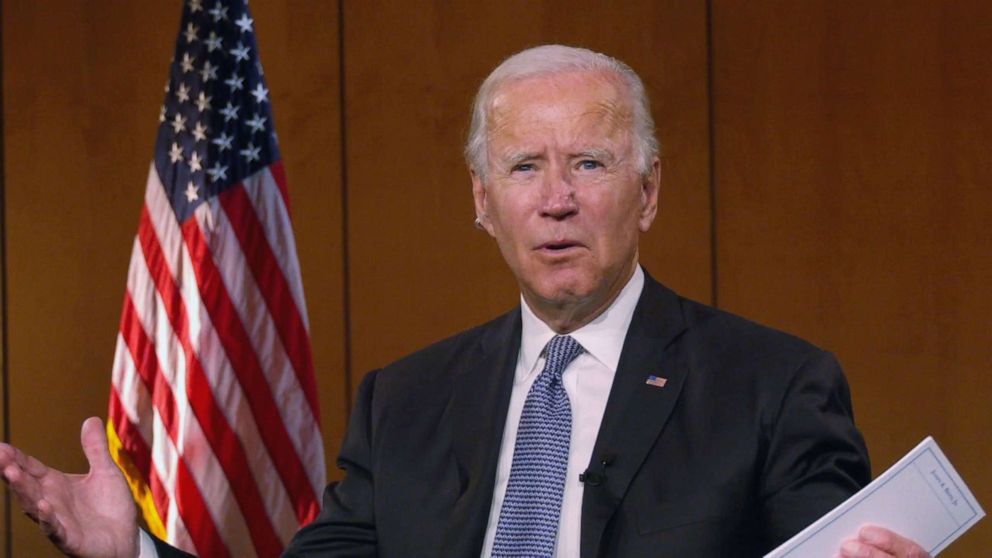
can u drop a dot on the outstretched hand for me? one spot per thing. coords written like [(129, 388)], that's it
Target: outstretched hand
[(89, 515)]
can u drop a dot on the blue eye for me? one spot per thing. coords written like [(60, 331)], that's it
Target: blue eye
[(589, 164), (523, 167)]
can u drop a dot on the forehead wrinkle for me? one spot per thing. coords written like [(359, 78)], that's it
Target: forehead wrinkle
[(607, 118), (611, 143)]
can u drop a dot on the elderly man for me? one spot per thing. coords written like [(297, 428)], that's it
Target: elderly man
[(605, 416)]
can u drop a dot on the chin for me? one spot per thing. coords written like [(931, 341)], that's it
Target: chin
[(568, 291)]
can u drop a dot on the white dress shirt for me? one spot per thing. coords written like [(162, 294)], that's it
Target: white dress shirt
[(587, 381), (146, 548)]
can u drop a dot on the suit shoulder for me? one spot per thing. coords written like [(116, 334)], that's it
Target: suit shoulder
[(734, 356), (738, 329), (438, 360), (728, 338)]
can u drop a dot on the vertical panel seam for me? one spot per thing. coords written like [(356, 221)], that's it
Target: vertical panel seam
[(714, 260), (345, 239), (4, 346)]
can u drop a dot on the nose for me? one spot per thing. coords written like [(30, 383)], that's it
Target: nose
[(558, 195)]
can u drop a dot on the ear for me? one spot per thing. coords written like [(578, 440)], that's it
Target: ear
[(481, 197), (650, 185)]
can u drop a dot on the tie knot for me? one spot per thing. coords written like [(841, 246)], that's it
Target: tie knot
[(559, 352)]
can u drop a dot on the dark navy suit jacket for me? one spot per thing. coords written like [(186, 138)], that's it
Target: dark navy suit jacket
[(750, 440)]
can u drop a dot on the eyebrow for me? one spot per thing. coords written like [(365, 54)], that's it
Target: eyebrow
[(514, 159), (601, 154), (594, 153)]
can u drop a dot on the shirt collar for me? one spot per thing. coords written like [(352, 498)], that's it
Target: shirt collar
[(602, 338)]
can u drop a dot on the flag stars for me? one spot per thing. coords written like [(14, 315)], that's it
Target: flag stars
[(195, 164), (230, 112), (260, 93), (256, 123), (190, 33), (203, 102), (187, 63), (210, 141), (235, 82), (182, 95), (219, 12), (244, 22), (200, 132), (208, 72), (176, 153), (250, 153), (192, 192), (223, 142), (179, 123), (213, 42), (240, 52), (217, 172)]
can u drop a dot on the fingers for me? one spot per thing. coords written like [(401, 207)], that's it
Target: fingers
[(33, 467), (854, 548), (877, 542), (11, 456), (49, 523), (891, 543), (7, 455), (8, 459), (23, 485), (93, 438)]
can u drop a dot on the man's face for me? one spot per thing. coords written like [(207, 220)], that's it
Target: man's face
[(563, 196)]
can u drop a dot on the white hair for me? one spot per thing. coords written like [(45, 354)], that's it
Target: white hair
[(548, 60)]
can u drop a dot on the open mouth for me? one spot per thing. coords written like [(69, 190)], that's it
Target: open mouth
[(559, 247)]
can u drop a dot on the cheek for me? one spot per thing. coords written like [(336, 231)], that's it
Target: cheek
[(509, 213), (508, 229), (618, 230)]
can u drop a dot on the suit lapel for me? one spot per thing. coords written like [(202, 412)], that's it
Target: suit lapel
[(479, 401), (636, 411)]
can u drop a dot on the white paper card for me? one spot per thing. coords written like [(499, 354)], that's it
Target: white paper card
[(921, 497)]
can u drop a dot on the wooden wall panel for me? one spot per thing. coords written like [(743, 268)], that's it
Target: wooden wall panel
[(419, 270), (852, 172), (82, 87), (81, 94)]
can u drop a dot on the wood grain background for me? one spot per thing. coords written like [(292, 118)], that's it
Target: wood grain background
[(826, 171)]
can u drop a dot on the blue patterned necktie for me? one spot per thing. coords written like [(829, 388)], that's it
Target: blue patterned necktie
[(528, 521)]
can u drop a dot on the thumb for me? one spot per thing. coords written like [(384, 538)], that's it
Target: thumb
[(93, 438)]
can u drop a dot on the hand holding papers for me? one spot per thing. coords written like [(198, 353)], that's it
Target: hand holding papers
[(921, 497)]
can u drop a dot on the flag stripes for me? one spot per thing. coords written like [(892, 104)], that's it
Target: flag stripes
[(153, 277), (274, 287), (214, 415), (138, 449), (272, 366), (188, 494), (236, 341)]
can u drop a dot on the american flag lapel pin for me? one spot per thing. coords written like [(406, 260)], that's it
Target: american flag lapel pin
[(656, 381)]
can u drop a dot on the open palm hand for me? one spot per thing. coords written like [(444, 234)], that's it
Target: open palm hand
[(91, 515)]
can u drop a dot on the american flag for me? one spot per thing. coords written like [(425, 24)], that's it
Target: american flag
[(656, 381), (213, 408)]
